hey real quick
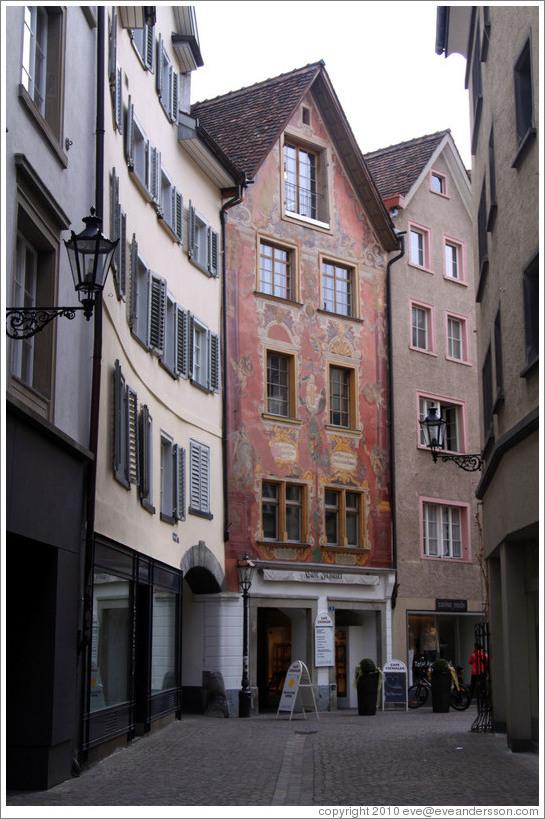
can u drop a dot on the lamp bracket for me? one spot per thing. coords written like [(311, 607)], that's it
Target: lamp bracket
[(25, 322), (471, 462)]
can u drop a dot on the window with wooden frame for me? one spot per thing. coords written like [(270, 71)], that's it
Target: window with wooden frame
[(305, 181), (438, 183), (344, 518), (339, 288), (444, 530), (457, 338), (419, 246), (284, 511), (342, 396), (531, 295), (42, 66), (280, 384), (277, 275), (422, 327)]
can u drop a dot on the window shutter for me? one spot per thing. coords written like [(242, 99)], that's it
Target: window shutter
[(214, 368), (159, 75), (179, 480), (119, 101), (190, 343), (145, 440), (112, 48), (122, 244), (213, 245), (120, 427), (174, 110), (194, 476), (157, 308), (180, 364), (155, 173), (148, 47), (133, 307), (178, 214), (114, 228), (191, 229), (129, 136), (132, 437)]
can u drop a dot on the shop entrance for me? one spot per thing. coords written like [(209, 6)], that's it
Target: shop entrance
[(273, 655)]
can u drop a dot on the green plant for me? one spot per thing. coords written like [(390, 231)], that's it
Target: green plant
[(366, 666), (441, 665)]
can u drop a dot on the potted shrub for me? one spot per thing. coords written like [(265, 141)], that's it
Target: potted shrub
[(441, 681), (366, 681)]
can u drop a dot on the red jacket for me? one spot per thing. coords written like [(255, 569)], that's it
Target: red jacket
[(478, 661)]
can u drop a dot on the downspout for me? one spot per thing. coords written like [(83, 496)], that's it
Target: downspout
[(236, 200), (87, 590), (401, 244)]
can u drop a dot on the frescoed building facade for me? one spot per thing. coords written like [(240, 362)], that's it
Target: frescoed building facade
[(306, 380)]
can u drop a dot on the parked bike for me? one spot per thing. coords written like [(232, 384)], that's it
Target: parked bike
[(418, 694)]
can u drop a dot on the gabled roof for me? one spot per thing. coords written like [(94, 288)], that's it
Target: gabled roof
[(395, 169), (245, 124)]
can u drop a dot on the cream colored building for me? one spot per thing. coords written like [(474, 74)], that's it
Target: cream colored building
[(501, 44), (440, 585)]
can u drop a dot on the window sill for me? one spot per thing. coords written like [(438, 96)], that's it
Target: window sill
[(199, 514), (458, 361), (531, 368), (344, 430), (166, 227), (333, 547), (280, 299), (455, 281), (421, 350), (443, 557), (419, 267), (201, 387), (523, 147), (168, 519), (201, 267), (44, 126), (325, 312), (283, 419), (147, 506), (306, 220), (283, 544)]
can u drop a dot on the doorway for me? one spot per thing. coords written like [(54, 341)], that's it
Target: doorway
[(273, 655)]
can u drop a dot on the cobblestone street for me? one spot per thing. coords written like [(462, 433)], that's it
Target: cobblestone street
[(394, 758)]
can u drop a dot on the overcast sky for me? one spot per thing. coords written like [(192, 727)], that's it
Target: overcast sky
[(380, 57)]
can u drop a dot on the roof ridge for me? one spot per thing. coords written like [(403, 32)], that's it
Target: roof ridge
[(407, 142), (246, 88)]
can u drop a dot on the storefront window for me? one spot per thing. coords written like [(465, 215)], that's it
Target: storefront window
[(163, 643), (110, 641)]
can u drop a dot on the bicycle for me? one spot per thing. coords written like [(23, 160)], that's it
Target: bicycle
[(418, 694)]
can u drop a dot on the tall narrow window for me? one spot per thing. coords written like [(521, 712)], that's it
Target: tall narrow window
[(283, 511), (275, 271), (279, 384), (498, 356), (524, 104), (338, 288), (421, 328), (530, 281), (488, 400), (341, 397), (419, 247), (453, 260), (344, 518), (42, 62), (457, 343), (300, 172)]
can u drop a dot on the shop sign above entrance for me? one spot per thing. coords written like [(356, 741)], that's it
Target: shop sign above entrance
[(313, 576), (445, 604)]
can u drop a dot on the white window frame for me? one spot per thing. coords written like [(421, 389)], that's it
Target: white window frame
[(442, 178), (463, 340), (453, 413), (428, 311), (440, 521), (147, 303), (420, 254), (454, 256), (202, 243)]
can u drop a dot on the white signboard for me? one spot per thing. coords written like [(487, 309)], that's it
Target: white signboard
[(324, 641), (297, 682)]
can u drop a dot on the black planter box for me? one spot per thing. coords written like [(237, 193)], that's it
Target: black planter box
[(367, 687), (441, 682)]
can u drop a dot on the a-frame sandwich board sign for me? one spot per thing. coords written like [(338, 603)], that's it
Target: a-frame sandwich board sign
[(296, 685)]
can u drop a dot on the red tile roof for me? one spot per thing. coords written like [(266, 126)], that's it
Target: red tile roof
[(395, 169), (246, 123)]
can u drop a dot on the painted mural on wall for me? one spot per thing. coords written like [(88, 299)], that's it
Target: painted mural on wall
[(307, 449)]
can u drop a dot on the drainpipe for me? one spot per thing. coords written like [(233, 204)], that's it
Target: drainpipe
[(85, 638), (236, 200), (401, 244)]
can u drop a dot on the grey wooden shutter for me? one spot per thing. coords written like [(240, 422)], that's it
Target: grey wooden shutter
[(199, 477), (191, 230), (114, 226), (174, 105), (119, 100), (132, 437), (146, 454), (133, 306), (178, 214), (190, 343), (122, 245), (120, 454), (179, 475), (148, 47), (214, 364), (181, 351), (155, 174), (129, 136), (213, 247), (112, 48), (157, 308), (159, 75)]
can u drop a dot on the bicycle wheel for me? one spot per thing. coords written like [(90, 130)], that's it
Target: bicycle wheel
[(418, 695), (460, 698)]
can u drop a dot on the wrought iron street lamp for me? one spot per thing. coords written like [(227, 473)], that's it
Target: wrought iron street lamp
[(90, 255), (433, 430), (245, 571)]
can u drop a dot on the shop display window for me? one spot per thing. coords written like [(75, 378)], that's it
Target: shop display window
[(110, 641)]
